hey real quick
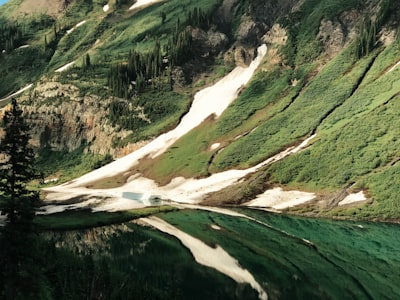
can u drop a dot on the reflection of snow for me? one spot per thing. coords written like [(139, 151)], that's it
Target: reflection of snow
[(140, 3), (63, 68), (216, 258)]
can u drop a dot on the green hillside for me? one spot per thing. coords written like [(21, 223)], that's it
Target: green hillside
[(334, 75)]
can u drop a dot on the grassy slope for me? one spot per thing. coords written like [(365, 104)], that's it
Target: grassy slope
[(357, 144), (351, 104)]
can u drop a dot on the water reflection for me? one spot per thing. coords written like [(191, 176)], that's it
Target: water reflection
[(144, 198)]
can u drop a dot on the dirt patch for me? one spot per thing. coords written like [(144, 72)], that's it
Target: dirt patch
[(53, 8)]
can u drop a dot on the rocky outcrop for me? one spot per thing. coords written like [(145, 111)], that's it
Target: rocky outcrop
[(63, 119), (209, 42)]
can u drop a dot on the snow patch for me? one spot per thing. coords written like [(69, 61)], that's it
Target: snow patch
[(76, 26), (352, 198), (394, 67), (279, 199), (215, 227), (216, 258), (65, 67), (140, 3), (215, 146), (17, 92)]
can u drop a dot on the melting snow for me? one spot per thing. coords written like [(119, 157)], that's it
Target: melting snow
[(140, 3), (279, 199), (352, 198), (63, 68)]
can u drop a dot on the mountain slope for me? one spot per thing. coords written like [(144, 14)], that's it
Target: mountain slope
[(331, 69)]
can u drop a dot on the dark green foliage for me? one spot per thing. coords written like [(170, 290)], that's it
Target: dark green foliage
[(199, 18), (120, 3), (86, 61), (140, 69), (17, 169), (180, 48), (368, 38), (139, 72), (10, 37), (20, 274)]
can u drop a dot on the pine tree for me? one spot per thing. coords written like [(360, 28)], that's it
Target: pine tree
[(17, 169), (20, 273)]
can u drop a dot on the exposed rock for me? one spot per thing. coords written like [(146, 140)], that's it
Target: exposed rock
[(276, 36), (62, 119), (250, 32), (267, 12), (243, 56), (209, 42), (332, 37), (387, 36), (350, 21), (178, 77)]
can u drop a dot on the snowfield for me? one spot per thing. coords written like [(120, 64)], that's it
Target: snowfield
[(140, 3), (65, 67), (138, 190)]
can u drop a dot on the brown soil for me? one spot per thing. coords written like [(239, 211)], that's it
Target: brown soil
[(53, 8)]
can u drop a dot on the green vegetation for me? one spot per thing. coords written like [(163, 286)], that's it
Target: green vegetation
[(20, 274), (68, 165), (303, 26), (357, 144), (350, 103)]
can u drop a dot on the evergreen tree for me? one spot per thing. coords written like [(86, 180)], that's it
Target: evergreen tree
[(17, 169), (20, 273)]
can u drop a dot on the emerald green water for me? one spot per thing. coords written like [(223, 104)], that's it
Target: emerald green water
[(342, 260), (290, 257)]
